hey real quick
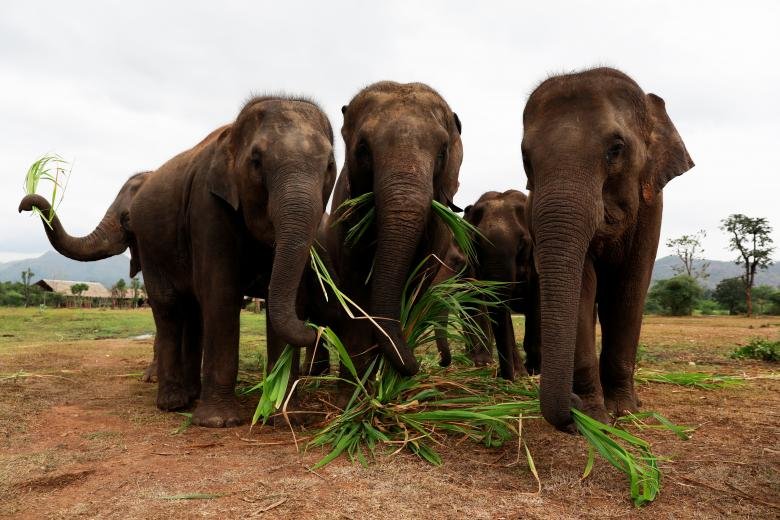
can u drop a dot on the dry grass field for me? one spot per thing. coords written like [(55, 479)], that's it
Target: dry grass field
[(80, 437)]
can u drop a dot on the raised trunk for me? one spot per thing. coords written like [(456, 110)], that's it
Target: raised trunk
[(295, 223), (563, 225), (108, 238), (403, 201)]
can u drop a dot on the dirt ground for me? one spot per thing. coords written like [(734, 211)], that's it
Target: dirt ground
[(80, 437)]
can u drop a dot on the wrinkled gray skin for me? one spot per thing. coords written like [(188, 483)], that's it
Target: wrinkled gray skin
[(597, 152), (234, 215), (402, 142)]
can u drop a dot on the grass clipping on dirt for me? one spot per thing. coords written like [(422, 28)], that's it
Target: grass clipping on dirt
[(393, 413)]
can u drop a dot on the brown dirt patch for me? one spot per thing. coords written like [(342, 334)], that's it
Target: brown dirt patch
[(80, 437)]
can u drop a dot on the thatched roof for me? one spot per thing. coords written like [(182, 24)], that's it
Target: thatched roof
[(96, 290)]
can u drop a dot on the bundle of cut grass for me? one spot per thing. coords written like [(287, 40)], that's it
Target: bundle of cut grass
[(50, 168), (389, 412)]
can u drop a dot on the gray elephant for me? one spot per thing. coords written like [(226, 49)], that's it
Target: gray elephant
[(403, 144), (234, 215), (597, 152)]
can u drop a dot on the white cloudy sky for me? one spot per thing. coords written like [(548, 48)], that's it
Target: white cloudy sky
[(120, 87)]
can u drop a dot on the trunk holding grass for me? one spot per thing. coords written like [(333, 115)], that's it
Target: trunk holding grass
[(106, 240), (403, 193)]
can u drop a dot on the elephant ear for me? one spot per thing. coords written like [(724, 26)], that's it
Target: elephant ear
[(220, 178), (667, 155), (447, 184)]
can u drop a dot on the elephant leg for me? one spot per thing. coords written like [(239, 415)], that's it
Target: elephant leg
[(218, 406), (620, 314), (532, 339), (150, 374), (442, 343), (586, 369), (192, 352), (172, 391), (479, 347), (505, 343)]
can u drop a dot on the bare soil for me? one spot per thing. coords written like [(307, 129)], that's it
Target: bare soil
[(80, 437)]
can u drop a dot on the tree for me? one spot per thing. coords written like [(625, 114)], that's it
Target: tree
[(78, 288), (26, 278), (135, 286), (677, 296), (749, 237), (689, 250), (763, 296), (730, 294)]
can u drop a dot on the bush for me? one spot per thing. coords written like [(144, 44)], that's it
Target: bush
[(709, 307), (677, 296), (761, 349), (730, 294)]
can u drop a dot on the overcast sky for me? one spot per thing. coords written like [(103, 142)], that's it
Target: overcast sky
[(120, 87)]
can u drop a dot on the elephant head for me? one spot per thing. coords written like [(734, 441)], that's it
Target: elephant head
[(403, 143), (504, 243), (597, 152), (274, 165)]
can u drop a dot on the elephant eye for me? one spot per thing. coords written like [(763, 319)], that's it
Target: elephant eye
[(255, 159), (442, 153), (615, 151)]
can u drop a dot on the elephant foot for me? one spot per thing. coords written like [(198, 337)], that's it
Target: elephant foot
[(520, 370), (533, 365), (622, 403), (593, 405), (150, 374), (171, 397), (224, 413)]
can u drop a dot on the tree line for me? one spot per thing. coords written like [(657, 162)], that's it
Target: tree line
[(26, 294), (750, 239)]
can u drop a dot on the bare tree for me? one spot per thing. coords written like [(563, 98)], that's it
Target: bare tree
[(749, 237), (689, 250), (27, 275)]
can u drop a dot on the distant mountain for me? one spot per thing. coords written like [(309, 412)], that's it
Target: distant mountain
[(718, 270), (54, 265), (108, 271)]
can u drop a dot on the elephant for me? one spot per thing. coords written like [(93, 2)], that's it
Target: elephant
[(402, 142), (234, 215), (597, 152), (504, 254)]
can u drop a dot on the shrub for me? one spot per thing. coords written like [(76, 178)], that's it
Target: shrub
[(761, 349), (677, 296), (709, 307)]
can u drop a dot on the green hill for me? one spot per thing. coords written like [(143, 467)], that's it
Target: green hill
[(53, 265), (718, 270)]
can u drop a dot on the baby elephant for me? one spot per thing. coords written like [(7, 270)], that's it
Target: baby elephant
[(236, 211), (504, 254)]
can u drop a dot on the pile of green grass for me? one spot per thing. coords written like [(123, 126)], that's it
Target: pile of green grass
[(391, 413)]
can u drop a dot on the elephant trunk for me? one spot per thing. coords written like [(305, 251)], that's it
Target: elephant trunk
[(403, 200), (108, 239), (564, 222), (295, 220)]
